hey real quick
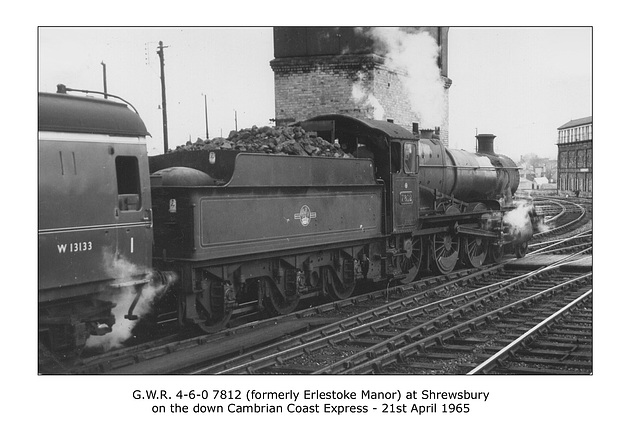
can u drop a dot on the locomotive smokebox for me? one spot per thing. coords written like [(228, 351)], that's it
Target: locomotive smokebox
[(485, 143)]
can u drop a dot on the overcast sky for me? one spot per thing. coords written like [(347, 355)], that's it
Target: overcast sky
[(518, 83)]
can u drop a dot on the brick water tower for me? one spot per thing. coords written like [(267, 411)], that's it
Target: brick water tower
[(364, 72)]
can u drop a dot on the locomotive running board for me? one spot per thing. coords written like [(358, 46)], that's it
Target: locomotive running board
[(476, 232), (439, 218), (464, 230)]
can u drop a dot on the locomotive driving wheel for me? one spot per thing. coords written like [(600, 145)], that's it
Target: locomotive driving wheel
[(409, 261), (475, 248), (445, 250), (475, 251), (445, 247)]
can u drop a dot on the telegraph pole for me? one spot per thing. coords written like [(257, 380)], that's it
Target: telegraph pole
[(164, 97), (206, 116), (104, 78)]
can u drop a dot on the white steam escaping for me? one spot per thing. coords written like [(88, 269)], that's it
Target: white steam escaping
[(364, 98), (123, 271), (415, 52), (520, 221)]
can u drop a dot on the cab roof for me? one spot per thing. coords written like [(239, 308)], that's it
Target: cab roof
[(392, 130)]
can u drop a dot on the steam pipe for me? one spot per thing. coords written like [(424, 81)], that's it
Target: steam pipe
[(164, 279)]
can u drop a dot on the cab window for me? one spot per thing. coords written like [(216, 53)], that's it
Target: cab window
[(410, 159), (128, 177)]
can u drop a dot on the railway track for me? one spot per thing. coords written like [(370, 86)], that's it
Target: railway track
[(568, 244), (560, 217), (411, 335), (560, 344)]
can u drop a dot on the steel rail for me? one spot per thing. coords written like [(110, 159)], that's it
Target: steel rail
[(416, 346), (583, 212), (346, 329), (512, 347), (554, 243), (357, 323)]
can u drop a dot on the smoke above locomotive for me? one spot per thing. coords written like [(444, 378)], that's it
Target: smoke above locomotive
[(414, 53)]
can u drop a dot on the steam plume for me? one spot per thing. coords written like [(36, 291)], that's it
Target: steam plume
[(415, 52), (362, 97), (121, 270), (520, 221)]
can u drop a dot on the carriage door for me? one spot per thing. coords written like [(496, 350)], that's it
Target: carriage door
[(405, 187), (133, 217)]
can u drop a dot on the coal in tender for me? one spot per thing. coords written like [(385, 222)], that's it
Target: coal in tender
[(291, 140)]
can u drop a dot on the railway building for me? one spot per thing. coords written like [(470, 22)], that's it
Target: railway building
[(346, 70), (575, 157)]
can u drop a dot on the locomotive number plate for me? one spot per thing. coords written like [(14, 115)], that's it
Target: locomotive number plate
[(406, 198)]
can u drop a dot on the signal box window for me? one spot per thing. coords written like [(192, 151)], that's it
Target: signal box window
[(410, 160), (128, 176)]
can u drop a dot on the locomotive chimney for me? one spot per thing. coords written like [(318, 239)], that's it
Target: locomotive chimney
[(485, 143)]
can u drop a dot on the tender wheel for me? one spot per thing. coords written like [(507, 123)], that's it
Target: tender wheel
[(215, 325), (337, 290), (521, 249), (214, 306), (275, 304), (475, 251), (445, 250), (410, 262)]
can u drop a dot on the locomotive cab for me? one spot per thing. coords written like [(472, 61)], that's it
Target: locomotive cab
[(405, 187), (394, 152)]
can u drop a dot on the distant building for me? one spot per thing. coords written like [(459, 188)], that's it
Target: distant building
[(575, 157), (532, 166)]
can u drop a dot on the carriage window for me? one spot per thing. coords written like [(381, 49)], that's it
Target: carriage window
[(410, 158), (128, 176)]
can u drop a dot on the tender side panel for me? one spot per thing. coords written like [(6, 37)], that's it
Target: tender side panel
[(247, 223), (270, 204), (216, 222)]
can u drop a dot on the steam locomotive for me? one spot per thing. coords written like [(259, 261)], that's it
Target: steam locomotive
[(227, 232)]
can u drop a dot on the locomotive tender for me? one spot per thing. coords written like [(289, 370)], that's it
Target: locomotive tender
[(244, 232)]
